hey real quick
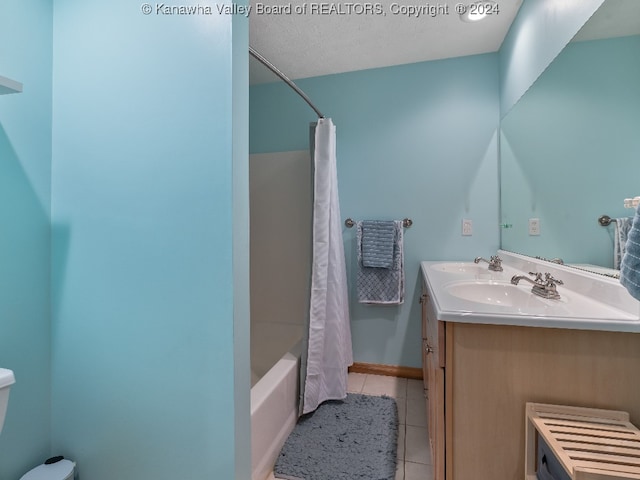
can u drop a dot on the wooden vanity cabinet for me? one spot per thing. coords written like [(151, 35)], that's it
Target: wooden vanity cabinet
[(480, 376), (433, 366)]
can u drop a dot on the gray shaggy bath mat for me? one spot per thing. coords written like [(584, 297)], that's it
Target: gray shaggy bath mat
[(349, 439)]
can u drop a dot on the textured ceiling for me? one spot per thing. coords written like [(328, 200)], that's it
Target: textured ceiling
[(615, 18), (317, 43)]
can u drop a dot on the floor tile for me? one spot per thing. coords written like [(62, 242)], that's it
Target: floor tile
[(355, 381), (417, 471), (401, 442), (417, 448), (402, 410), (416, 411), (400, 471), (383, 385), (415, 388)]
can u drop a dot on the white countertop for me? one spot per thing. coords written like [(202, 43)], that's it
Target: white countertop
[(588, 301)]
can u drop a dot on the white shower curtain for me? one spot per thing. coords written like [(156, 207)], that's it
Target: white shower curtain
[(329, 352)]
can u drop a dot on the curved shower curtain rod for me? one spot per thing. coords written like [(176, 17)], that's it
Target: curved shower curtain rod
[(284, 78)]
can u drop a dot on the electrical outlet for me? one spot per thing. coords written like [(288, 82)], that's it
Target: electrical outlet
[(534, 226), (467, 227)]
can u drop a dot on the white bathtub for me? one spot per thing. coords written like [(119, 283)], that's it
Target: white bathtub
[(274, 396)]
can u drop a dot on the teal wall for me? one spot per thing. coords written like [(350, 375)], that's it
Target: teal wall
[(147, 342), (415, 141), (540, 31), (570, 151), (142, 190), (241, 298), (25, 175)]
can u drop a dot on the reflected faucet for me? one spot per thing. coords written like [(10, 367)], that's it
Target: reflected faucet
[(545, 288), (559, 261), (495, 264)]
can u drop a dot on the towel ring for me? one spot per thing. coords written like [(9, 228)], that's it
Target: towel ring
[(406, 223)]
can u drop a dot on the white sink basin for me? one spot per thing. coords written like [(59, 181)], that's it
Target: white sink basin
[(504, 297), (467, 268), (494, 293), (466, 292)]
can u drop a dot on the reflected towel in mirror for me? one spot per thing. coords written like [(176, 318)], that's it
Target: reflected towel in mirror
[(630, 267), (623, 225)]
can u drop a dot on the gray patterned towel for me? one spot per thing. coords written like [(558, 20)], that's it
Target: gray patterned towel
[(630, 268), (378, 241), (382, 285)]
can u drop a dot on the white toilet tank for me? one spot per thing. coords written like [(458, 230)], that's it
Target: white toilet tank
[(6, 380)]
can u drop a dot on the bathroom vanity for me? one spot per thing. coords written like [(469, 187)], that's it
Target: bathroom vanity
[(489, 347)]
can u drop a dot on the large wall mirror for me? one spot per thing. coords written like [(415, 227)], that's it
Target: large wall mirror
[(570, 147)]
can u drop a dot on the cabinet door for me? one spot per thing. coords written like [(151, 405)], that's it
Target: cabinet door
[(437, 406), (431, 389), (423, 303), (433, 372), (424, 298), (435, 411), (425, 376)]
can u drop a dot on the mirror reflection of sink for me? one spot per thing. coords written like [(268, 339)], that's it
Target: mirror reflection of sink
[(6, 380), (468, 268), (494, 293)]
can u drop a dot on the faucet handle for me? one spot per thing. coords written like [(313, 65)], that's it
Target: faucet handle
[(552, 281), (537, 275), (495, 264)]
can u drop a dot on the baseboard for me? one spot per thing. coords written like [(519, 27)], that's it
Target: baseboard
[(389, 370)]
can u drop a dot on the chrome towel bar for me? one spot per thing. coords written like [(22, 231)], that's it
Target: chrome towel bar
[(406, 223)]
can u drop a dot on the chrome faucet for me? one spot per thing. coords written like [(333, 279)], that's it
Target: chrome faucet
[(545, 288), (559, 261), (495, 263)]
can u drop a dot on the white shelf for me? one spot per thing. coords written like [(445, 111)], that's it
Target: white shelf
[(9, 86)]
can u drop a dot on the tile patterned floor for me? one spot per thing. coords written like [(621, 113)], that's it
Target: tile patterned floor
[(414, 458)]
